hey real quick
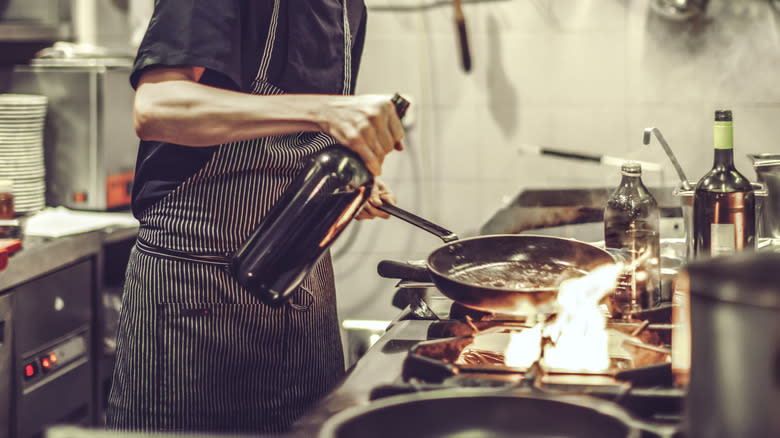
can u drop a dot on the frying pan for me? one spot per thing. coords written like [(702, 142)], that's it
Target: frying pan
[(516, 274)]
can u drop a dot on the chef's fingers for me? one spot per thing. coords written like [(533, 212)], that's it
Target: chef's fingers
[(385, 142), (397, 132), (371, 212), (370, 137), (368, 154), (380, 193)]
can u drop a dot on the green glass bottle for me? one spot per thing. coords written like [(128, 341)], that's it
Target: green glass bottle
[(724, 214)]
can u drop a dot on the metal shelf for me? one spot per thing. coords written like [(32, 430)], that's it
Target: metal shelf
[(23, 32)]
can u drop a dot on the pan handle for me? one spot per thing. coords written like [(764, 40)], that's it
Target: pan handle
[(440, 232), (403, 271)]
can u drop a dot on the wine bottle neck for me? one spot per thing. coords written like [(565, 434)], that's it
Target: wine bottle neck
[(723, 136), (724, 158)]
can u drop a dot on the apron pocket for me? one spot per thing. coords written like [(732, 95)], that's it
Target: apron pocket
[(220, 364)]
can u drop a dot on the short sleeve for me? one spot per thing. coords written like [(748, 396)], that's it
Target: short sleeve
[(205, 33)]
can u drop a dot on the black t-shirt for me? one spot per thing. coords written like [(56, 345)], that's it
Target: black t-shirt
[(228, 38)]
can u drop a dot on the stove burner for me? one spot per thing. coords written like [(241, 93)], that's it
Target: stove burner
[(439, 362)]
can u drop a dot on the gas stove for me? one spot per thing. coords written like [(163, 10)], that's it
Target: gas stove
[(454, 355)]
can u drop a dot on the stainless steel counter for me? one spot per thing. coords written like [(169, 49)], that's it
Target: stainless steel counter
[(39, 255), (381, 365)]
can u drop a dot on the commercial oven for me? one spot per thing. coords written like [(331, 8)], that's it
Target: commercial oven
[(52, 366)]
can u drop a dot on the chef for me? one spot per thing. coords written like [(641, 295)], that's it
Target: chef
[(232, 98)]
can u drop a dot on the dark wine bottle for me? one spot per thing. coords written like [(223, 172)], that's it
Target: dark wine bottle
[(304, 222), (631, 229), (724, 214)]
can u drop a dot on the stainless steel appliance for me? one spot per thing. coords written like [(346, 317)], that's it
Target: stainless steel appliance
[(52, 366), (5, 363), (735, 341), (89, 140)]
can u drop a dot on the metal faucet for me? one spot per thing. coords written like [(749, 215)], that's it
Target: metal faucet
[(646, 140)]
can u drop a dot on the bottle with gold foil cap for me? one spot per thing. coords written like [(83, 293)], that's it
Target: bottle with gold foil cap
[(724, 214)]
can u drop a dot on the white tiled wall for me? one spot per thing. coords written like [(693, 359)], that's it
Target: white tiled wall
[(578, 75)]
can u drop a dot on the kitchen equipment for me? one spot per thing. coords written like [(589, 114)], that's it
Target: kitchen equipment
[(767, 167), (646, 140), (21, 149), (305, 221), (686, 202), (463, 39), (601, 159), (27, 26), (6, 363), (53, 356), (89, 140), (734, 387), (484, 413), (513, 274), (679, 10)]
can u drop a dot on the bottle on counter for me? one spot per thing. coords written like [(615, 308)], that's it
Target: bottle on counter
[(724, 214), (631, 230), (305, 222), (7, 199)]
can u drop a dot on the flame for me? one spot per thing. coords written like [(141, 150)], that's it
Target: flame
[(524, 347), (578, 339)]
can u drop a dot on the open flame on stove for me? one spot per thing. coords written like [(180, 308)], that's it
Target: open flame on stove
[(576, 339)]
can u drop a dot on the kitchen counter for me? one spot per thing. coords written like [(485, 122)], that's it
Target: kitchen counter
[(41, 255), (381, 365)]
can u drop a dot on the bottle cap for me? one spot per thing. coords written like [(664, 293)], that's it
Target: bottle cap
[(401, 105), (631, 168), (723, 116), (6, 186)]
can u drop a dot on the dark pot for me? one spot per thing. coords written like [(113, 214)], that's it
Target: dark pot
[(477, 414), (734, 387)]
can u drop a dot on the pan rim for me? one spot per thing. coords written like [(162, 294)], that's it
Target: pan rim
[(439, 273), (593, 406)]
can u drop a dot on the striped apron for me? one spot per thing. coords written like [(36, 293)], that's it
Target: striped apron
[(195, 351)]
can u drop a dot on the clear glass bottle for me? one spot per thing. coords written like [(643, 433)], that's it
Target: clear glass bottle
[(305, 222), (724, 212), (631, 229)]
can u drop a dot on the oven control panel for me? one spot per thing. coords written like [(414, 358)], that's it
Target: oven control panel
[(36, 367)]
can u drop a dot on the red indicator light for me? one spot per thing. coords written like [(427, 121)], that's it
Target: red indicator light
[(53, 357), (29, 370), (45, 364)]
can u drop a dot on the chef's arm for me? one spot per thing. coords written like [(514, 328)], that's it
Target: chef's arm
[(170, 105)]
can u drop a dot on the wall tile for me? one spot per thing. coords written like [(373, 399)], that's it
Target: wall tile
[(580, 75)]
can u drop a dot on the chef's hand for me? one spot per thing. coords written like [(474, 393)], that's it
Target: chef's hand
[(366, 124), (379, 193)]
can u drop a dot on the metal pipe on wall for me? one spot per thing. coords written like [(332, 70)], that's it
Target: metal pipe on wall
[(85, 21)]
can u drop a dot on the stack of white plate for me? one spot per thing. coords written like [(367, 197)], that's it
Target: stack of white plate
[(21, 149)]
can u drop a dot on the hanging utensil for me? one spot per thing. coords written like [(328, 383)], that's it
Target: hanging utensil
[(646, 140), (606, 160), (463, 39)]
